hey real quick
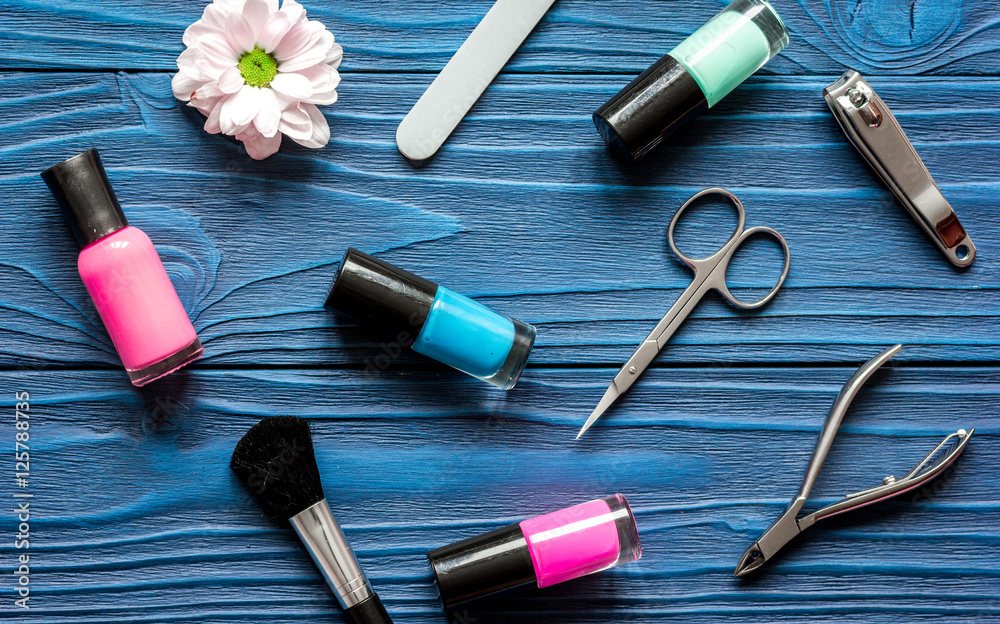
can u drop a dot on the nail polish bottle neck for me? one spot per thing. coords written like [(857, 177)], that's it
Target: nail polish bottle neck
[(85, 245), (83, 191)]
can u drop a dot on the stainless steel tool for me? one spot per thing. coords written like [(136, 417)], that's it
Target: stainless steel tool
[(709, 274), (871, 127), (790, 524)]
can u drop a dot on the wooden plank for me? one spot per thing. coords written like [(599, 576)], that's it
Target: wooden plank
[(620, 36), (138, 517), (553, 231)]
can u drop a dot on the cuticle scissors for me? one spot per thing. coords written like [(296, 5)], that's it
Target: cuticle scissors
[(789, 524), (709, 274)]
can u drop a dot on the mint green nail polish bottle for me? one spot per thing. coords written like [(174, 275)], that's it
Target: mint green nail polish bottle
[(692, 77)]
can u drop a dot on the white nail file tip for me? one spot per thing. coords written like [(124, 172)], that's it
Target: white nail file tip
[(474, 66)]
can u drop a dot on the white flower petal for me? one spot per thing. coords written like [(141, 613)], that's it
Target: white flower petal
[(334, 78), (184, 85), (230, 107), (231, 80), (210, 70), (217, 50), (260, 147), (255, 12), (296, 117), (212, 123), (229, 129), (316, 30), (323, 98), (293, 113), (315, 74), (226, 124), (320, 129), (310, 56), (321, 77), (204, 110), (214, 16), (209, 90), (272, 5), (274, 29), (186, 62), (230, 6), (324, 80), (245, 105), (239, 33), (269, 115), (207, 96), (195, 31), (295, 12), (296, 131), (326, 41), (295, 86), (334, 56), (298, 37)]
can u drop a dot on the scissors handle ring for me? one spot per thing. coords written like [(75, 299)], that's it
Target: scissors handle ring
[(693, 262), (723, 288)]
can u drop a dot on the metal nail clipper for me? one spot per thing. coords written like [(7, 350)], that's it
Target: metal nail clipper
[(790, 524), (871, 127)]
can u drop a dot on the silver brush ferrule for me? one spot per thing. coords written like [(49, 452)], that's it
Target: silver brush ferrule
[(333, 555)]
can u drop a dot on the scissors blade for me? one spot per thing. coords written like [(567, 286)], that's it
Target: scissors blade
[(610, 396), (626, 376)]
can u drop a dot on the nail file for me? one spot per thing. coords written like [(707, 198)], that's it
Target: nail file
[(474, 66)]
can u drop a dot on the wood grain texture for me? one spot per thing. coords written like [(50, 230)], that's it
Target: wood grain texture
[(139, 518), (551, 230), (941, 37)]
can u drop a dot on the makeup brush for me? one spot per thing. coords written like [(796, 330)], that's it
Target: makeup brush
[(275, 460)]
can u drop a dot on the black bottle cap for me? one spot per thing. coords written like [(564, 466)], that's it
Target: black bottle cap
[(82, 188), (376, 293), (657, 103), (483, 566), (368, 611)]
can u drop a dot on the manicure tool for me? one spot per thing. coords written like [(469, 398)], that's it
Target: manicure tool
[(871, 127), (474, 66), (709, 274), (789, 524)]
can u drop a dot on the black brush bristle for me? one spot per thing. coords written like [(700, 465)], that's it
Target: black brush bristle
[(275, 460)]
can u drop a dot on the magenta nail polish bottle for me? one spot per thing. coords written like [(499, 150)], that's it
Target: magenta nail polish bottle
[(123, 273), (540, 551)]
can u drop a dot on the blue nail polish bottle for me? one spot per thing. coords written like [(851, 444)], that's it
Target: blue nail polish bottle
[(431, 319)]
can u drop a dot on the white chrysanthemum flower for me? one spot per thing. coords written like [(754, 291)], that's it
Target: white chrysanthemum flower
[(257, 72)]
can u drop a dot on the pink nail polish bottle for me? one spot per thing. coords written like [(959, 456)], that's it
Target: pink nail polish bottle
[(123, 273), (540, 551)]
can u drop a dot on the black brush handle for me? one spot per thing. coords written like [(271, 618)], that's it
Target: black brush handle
[(368, 611)]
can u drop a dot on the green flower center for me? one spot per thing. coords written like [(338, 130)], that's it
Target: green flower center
[(257, 67)]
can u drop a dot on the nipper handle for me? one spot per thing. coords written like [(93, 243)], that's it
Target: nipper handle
[(836, 416)]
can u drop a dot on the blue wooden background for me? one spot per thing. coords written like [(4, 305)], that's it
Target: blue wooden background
[(136, 517)]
